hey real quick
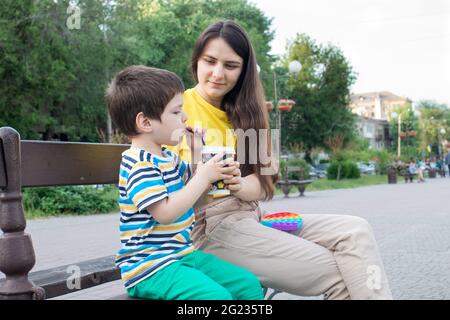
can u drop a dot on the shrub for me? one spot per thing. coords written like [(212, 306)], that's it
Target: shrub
[(383, 159), (76, 200), (332, 170), (349, 170)]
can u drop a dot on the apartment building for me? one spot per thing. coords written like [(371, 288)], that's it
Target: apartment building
[(374, 111), (376, 105)]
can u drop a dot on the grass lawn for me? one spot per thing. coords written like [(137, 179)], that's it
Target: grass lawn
[(325, 184)]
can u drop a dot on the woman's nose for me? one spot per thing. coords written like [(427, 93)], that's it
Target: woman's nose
[(218, 71)]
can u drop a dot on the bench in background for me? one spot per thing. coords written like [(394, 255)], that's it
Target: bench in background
[(285, 183)]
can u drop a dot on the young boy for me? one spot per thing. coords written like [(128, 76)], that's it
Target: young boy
[(157, 193)]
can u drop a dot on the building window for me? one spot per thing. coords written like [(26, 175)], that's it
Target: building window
[(369, 130)]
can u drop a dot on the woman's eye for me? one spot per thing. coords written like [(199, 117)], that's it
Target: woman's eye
[(230, 67)]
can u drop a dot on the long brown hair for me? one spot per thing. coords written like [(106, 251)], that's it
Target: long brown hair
[(245, 103)]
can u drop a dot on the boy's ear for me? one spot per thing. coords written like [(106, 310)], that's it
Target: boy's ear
[(143, 123)]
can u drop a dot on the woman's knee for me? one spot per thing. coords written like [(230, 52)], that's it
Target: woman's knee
[(360, 230), (358, 224)]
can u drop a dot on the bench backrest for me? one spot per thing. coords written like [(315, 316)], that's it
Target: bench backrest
[(291, 169), (295, 169), (46, 163)]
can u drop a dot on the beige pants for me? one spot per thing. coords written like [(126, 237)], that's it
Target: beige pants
[(333, 255)]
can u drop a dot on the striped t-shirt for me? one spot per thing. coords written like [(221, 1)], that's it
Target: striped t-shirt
[(147, 245)]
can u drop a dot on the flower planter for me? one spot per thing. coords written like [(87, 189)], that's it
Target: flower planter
[(402, 135), (392, 175), (412, 134), (285, 105)]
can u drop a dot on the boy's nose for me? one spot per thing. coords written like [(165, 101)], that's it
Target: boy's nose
[(184, 117)]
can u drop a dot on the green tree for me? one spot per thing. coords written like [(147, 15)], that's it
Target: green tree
[(162, 33), (434, 118), (52, 78), (321, 92)]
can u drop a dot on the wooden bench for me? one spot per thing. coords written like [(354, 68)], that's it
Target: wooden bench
[(403, 170), (39, 164), (285, 183), (441, 172), (409, 176)]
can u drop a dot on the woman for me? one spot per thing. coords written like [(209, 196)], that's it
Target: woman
[(333, 255)]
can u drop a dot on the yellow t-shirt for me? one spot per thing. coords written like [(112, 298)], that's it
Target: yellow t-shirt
[(202, 114)]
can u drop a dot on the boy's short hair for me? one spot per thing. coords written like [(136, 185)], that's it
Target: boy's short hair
[(140, 89)]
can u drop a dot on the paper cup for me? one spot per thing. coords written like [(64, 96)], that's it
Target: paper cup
[(218, 187)]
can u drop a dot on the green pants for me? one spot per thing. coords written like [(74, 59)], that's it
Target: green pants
[(199, 276)]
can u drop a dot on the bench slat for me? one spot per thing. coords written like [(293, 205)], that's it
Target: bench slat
[(294, 168), (70, 163), (93, 272)]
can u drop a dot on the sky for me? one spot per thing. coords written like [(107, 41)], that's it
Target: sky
[(401, 46)]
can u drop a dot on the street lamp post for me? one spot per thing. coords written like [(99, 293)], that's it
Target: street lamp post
[(399, 141), (277, 110), (294, 69), (441, 132)]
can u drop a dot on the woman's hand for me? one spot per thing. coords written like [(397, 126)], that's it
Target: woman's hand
[(249, 189), (234, 184)]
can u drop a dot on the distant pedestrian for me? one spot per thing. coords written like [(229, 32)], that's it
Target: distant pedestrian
[(440, 166), (447, 161), (420, 170)]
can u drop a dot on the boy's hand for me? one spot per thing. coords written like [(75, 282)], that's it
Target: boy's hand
[(234, 184), (215, 169)]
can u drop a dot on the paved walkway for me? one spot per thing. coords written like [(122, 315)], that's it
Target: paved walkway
[(411, 223)]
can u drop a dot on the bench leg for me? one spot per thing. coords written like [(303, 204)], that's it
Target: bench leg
[(271, 295), (301, 188), (16, 248), (285, 189)]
